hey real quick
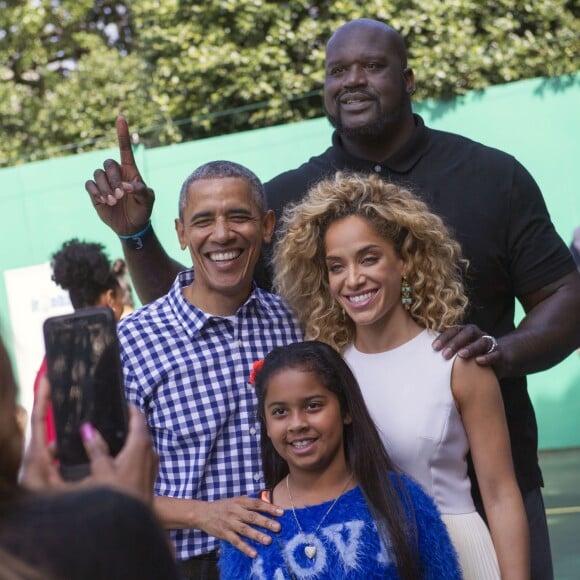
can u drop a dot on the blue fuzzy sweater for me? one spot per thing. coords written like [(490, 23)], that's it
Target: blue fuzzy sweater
[(347, 544)]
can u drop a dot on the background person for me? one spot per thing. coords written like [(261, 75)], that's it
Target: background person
[(82, 269), (345, 516), (501, 223), (369, 270), (119, 268)]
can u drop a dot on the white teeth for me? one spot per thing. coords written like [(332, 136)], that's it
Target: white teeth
[(361, 297), (301, 444), (224, 256)]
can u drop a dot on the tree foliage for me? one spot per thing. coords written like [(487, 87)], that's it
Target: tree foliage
[(182, 69)]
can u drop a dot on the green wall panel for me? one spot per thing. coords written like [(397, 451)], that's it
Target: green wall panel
[(44, 203)]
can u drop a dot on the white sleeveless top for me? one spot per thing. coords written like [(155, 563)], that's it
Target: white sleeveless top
[(408, 393)]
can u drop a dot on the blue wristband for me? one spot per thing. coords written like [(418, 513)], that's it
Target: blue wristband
[(135, 241)]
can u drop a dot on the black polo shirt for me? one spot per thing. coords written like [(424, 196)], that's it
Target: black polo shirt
[(496, 211)]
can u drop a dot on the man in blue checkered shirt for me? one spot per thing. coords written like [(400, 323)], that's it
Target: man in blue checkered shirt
[(187, 359)]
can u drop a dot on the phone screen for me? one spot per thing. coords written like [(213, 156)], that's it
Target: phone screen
[(85, 373)]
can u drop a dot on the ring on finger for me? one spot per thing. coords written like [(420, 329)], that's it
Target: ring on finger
[(492, 343)]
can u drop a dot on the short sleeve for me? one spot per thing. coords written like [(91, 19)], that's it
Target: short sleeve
[(538, 256)]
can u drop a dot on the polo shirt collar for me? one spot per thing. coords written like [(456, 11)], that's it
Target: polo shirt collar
[(401, 161)]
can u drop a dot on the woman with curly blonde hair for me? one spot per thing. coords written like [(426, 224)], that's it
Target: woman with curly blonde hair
[(371, 271), (419, 236)]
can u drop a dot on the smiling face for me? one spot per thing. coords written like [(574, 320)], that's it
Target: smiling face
[(367, 82), (304, 421), (224, 229), (364, 274)]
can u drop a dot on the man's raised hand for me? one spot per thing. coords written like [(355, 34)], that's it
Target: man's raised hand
[(118, 192)]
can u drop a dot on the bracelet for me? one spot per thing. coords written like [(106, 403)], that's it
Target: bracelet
[(135, 241)]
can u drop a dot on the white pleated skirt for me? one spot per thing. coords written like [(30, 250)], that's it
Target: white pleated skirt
[(472, 542)]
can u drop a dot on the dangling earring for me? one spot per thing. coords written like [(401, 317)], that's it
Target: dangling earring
[(406, 299)]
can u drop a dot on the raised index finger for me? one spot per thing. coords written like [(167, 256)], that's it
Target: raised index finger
[(124, 140)]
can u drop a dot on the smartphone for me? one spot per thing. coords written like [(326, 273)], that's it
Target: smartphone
[(86, 377)]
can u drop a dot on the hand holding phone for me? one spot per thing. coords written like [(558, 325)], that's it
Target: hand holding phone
[(133, 470), (85, 373)]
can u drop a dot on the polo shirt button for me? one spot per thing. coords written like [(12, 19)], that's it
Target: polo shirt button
[(240, 343), (378, 168), (257, 477), (253, 431)]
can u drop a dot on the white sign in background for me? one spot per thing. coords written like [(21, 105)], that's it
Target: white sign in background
[(32, 298)]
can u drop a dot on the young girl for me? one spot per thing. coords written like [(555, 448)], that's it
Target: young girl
[(369, 270), (348, 514)]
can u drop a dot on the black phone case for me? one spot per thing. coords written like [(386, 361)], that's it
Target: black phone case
[(86, 376)]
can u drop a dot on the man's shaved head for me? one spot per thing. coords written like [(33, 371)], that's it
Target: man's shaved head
[(396, 42)]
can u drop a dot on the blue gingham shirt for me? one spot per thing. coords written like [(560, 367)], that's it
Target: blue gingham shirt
[(188, 372)]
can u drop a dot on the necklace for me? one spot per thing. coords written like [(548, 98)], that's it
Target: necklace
[(310, 550)]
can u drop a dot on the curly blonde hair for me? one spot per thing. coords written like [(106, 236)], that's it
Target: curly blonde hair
[(420, 238)]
